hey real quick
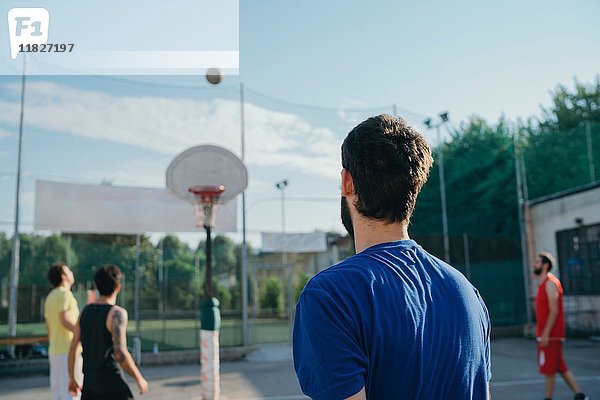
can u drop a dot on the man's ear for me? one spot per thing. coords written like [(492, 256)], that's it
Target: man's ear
[(347, 183)]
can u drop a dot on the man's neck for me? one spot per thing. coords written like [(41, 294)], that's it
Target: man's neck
[(64, 285), (543, 276), (112, 299), (368, 233)]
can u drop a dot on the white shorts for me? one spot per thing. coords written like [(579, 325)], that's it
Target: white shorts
[(59, 376)]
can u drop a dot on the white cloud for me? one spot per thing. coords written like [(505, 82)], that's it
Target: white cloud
[(27, 199), (169, 125), (5, 134), (137, 172)]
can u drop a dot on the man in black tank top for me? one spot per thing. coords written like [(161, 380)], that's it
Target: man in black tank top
[(101, 330)]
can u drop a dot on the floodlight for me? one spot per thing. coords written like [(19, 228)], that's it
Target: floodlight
[(281, 184)]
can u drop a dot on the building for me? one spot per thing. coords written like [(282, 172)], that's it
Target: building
[(567, 224)]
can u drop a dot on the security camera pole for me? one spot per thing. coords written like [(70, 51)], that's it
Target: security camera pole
[(281, 186)]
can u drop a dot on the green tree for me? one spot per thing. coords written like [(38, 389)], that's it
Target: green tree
[(236, 290), (37, 254), (555, 145), (183, 284), (94, 250), (301, 281), (236, 296), (224, 296), (173, 248), (480, 183), (272, 295), (224, 251), (52, 249), (5, 253), (570, 108)]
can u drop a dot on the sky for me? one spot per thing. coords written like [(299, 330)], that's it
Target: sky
[(312, 70)]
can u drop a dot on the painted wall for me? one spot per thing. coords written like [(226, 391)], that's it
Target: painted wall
[(560, 214), (556, 215)]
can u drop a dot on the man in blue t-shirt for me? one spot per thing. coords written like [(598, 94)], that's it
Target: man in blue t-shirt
[(393, 321)]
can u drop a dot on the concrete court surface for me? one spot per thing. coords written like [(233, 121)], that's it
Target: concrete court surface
[(268, 374)]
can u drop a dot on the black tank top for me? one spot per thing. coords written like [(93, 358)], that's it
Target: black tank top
[(100, 371)]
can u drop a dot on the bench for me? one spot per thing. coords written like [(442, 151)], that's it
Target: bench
[(21, 340)]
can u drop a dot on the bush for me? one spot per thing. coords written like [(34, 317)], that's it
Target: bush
[(271, 298)]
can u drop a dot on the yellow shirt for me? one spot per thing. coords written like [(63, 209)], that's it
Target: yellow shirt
[(58, 300)]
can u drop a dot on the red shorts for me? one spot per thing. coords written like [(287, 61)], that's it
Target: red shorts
[(550, 359)]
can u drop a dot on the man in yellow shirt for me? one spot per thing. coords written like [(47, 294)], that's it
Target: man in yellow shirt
[(61, 313)]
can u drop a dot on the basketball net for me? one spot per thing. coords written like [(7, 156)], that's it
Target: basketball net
[(205, 215), (206, 204)]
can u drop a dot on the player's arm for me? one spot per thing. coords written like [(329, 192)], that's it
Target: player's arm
[(359, 396), (64, 320), (552, 295), (47, 327), (118, 327), (74, 387)]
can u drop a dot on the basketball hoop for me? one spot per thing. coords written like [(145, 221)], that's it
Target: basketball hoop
[(192, 176), (206, 197)]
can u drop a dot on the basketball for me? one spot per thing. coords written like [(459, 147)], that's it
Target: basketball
[(213, 76)]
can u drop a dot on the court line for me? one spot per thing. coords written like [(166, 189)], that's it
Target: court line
[(285, 397), (291, 397), (539, 381)]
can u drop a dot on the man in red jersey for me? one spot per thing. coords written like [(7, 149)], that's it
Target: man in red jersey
[(551, 327)]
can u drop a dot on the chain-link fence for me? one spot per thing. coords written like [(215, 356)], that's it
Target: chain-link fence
[(557, 160), (170, 288), (493, 265), (482, 213)]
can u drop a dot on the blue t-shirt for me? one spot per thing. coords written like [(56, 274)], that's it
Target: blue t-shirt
[(395, 320)]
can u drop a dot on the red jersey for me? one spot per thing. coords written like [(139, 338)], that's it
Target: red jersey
[(542, 310)]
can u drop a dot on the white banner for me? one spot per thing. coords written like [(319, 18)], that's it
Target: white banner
[(76, 208), (314, 242)]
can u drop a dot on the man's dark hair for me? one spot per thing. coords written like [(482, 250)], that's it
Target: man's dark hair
[(547, 258), (56, 272), (389, 162), (106, 279)]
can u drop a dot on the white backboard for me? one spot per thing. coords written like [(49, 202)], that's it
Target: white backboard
[(207, 165), (76, 208)]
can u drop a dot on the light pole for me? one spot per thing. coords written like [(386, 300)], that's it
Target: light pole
[(16, 244), (282, 185), (430, 125), (522, 205)]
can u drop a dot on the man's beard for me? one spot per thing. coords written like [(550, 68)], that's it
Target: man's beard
[(346, 218), (537, 271)]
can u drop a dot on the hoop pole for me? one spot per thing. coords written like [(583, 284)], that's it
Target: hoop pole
[(210, 323), (208, 292), (244, 249), (137, 288)]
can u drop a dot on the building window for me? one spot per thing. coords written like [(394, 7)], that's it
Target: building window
[(579, 259)]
